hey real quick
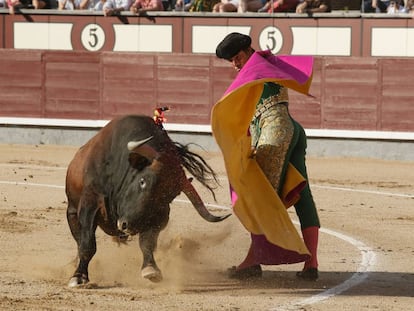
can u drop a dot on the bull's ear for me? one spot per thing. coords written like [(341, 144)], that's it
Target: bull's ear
[(138, 161)]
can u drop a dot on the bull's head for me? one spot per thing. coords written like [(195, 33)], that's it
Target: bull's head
[(158, 179)]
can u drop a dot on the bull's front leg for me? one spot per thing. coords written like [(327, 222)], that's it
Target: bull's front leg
[(86, 238), (148, 244)]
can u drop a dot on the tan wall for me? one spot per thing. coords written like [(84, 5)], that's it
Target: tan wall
[(339, 33), (350, 93)]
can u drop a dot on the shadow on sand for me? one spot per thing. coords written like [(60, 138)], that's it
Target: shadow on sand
[(376, 283)]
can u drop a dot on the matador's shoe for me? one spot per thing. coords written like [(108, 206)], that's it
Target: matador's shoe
[(310, 274), (246, 273)]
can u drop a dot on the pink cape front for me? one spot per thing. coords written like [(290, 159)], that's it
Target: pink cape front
[(294, 72)]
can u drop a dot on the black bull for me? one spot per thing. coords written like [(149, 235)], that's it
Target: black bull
[(123, 180)]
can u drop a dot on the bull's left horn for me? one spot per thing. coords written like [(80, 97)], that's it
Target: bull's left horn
[(141, 147), (134, 144)]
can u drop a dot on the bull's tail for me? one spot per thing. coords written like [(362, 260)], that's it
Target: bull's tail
[(198, 167)]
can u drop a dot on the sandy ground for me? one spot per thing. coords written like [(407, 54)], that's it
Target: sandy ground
[(366, 245)]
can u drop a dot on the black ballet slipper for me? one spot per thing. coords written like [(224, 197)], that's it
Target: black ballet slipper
[(246, 273), (310, 274)]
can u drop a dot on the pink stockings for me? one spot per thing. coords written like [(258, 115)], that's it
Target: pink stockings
[(263, 252), (311, 237)]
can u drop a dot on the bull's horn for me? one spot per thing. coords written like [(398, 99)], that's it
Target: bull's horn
[(134, 144), (195, 199), (143, 149)]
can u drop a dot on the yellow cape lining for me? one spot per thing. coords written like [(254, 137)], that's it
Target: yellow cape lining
[(258, 206)]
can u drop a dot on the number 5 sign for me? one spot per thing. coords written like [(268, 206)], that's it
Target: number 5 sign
[(93, 37), (271, 39)]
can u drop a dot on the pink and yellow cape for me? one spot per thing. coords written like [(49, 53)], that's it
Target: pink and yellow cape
[(258, 206)]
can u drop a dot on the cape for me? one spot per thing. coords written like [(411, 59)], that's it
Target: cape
[(258, 206)]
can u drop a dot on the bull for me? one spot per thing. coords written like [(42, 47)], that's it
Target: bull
[(123, 180)]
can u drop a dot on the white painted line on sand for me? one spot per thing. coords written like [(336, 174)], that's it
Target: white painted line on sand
[(19, 183), (392, 194), (32, 166), (368, 261)]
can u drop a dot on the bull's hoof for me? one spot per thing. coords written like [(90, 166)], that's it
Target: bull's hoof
[(78, 281), (152, 274)]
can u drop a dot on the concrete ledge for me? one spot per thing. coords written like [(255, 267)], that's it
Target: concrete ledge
[(198, 128), (386, 149)]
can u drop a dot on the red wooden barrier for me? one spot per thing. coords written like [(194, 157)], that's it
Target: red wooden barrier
[(350, 93)]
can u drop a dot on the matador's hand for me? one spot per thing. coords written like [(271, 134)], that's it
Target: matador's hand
[(253, 153)]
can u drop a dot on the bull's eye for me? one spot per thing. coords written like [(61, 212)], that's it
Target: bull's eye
[(142, 183)]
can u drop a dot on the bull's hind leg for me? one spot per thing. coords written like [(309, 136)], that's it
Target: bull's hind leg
[(73, 220), (148, 244), (83, 226)]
